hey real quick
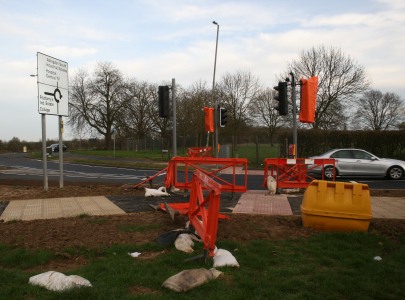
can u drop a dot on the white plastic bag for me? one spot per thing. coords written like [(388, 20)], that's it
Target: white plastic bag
[(135, 254), (56, 281), (156, 192), (224, 258), (271, 185)]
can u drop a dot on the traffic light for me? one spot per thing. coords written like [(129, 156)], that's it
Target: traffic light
[(309, 90), (223, 114), (282, 98), (164, 101)]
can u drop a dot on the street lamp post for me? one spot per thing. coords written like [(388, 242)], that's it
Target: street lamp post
[(214, 101)]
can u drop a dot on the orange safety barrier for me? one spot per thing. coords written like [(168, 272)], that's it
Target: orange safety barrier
[(149, 178), (209, 166), (199, 152), (203, 212), (182, 208), (293, 173)]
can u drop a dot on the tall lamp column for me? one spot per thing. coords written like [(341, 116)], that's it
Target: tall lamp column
[(214, 101)]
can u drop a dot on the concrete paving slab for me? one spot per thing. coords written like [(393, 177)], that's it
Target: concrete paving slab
[(53, 208), (388, 207), (261, 202)]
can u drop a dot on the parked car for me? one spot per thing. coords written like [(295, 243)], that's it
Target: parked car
[(358, 162), (55, 147)]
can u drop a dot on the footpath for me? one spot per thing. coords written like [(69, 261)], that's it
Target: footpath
[(251, 202)]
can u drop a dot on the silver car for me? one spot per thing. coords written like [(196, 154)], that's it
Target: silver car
[(357, 162)]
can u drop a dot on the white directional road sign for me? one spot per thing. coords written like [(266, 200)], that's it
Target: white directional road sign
[(53, 86)]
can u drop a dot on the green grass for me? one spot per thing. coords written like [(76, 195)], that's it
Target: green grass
[(155, 159), (324, 266), (150, 155), (250, 152)]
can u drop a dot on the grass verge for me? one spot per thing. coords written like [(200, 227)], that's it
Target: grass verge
[(154, 159), (324, 266)]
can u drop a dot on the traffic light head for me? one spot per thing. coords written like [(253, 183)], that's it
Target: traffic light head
[(209, 119), (223, 114), (282, 98), (309, 90), (164, 101)]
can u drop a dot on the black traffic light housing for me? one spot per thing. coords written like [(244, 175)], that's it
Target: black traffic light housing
[(223, 114), (282, 98), (164, 101)]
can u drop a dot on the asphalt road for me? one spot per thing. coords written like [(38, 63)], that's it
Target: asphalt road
[(17, 166)]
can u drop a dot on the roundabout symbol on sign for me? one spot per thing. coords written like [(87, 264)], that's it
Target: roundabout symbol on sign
[(55, 93)]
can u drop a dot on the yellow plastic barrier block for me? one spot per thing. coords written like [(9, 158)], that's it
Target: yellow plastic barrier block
[(336, 206)]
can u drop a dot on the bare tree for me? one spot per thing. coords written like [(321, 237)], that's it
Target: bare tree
[(236, 92), (97, 102), (378, 111), (136, 121), (340, 80), (262, 108), (190, 115)]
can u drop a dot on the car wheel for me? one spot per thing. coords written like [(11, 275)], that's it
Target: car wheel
[(395, 173), (329, 172)]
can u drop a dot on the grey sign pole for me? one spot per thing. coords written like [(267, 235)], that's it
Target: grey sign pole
[(174, 117), (60, 152), (44, 154)]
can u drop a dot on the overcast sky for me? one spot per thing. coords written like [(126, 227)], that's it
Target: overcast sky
[(157, 40)]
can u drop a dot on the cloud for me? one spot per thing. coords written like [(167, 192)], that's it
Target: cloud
[(158, 40), (63, 51)]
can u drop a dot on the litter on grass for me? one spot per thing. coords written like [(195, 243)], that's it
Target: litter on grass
[(135, 254), (56, 281), (224, 258)]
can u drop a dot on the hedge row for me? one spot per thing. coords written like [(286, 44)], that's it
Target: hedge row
[(312, 142)]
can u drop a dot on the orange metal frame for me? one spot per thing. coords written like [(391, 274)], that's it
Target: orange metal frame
[(199, 152), (293, 173), (204, 212), (149, 178), (209, 166)]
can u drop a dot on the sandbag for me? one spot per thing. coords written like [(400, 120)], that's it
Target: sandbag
[(56, 281), (189, 279), (184, 243), (224, 258), (271, 185), (169, 238)]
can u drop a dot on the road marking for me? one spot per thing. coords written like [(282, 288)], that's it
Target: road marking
[(26, 171)]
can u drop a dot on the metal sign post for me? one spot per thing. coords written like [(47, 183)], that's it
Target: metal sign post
[(44, 154), (60, 152), (53, 99)]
